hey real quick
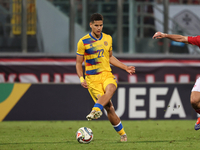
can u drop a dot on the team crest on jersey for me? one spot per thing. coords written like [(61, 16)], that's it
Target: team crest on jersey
[(105, 43)]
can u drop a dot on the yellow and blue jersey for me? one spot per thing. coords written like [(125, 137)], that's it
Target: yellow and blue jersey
[(95, 52)]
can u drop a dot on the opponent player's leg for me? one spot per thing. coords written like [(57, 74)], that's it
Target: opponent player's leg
[(195, 101), (115, 121)]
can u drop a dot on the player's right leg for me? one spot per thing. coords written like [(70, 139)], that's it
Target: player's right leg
[(95, 89), (101, 99), (97, 108), (101, 102), (95, 114), (195, 101), (101, 88), (115, 121)]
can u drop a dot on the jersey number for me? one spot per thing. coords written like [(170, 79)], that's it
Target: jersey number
[(100, 53)]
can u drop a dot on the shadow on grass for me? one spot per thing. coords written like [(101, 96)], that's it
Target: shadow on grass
[(72, 142), (155, 141), (38, 143)]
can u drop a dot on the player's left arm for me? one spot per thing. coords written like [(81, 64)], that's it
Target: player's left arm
[(115, 62)]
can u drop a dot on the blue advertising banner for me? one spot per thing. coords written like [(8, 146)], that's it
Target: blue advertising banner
[(73, 102)]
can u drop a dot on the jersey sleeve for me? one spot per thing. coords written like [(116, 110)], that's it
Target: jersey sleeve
[(195, 40), (80, 48)]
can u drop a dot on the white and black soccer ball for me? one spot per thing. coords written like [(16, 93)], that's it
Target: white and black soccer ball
[(84, 135)]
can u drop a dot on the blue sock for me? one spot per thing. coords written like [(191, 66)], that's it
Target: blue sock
[(97, 107), (119, 128)]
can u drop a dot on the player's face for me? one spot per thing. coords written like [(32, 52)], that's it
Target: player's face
[(97, 27)]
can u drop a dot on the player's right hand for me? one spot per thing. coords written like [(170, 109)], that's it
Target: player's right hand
[(158, 35), (84, 84)]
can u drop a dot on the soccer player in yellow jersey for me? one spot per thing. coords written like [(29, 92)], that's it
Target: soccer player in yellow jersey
[(95, 49)]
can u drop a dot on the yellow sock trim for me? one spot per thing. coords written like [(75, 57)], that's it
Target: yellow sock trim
[(122, 132), (96, 108)]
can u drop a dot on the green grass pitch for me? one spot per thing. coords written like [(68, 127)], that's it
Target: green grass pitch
[(60, 135)]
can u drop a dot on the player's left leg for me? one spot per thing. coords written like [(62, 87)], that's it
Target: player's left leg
[(110, 85), (115, 121)]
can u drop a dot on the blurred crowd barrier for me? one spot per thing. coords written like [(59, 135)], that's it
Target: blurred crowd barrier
[(141, 19)]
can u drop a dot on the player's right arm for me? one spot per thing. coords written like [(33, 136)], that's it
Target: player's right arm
[(79, 62), (174, 37), (79, 70)]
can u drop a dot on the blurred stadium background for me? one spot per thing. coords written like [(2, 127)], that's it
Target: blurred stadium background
[(38, 41)]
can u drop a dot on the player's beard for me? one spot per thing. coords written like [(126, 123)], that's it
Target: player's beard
[(97, 34)]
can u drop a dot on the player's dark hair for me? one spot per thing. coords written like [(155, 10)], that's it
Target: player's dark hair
[(96, 17)]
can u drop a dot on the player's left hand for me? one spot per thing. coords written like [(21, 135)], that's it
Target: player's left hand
[(130, 69)]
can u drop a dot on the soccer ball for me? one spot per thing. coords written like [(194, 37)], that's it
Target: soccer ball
[(84, 135)]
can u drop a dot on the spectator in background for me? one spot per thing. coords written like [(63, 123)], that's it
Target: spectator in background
[(170, 1), (174, 1), (180, 1), (110, 19), (191, 2), (4, 18), (5, 4), (148, 32), (148, 20)]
